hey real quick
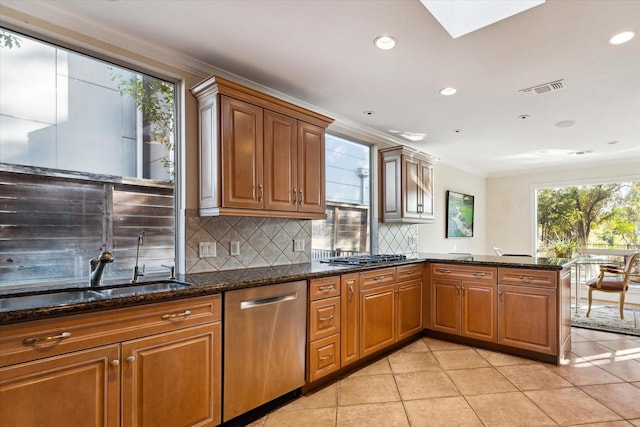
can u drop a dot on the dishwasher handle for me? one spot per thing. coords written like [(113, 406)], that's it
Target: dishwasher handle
[(266, 301)]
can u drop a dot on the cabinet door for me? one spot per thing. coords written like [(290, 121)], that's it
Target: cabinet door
[(74, 389), (390, 180), (349, 332), (377, 319), (527, 318), (173, 379), (409, 308), (280, 161), (242, 154), (479, 317), (310, 168), (411, 180), (426, 191), (445, 305)]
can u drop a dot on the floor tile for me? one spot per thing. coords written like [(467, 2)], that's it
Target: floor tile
[(480, 381), (444, 411), (380, 414), (591, 350), (584, 373), (631, 347), (435, 344), (508, 409), (258, 423), (567, 406), (627, 370), (623, 399), (425, 384), (501, 359), (637, 384), (635, 422), (608, 424), (532, 377), (324, 398), (376, 368), (412, 362), (595, 335), (416, 346), (305, 417), (459, 359), (367, 389)]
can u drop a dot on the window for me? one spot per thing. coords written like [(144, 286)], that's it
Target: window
[(346, 231), (86, 164)]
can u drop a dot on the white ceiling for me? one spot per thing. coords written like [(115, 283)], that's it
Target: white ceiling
[(321, 52)]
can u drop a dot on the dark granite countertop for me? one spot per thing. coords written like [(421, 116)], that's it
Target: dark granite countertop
[(217, 282)]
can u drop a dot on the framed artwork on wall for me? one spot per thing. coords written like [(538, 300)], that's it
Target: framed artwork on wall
[(459, 214)]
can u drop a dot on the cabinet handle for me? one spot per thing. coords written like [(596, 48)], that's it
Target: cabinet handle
[(443, 270), (409, 272), (350, 292), (295, 196), (173, 316), (260, 192), (131, 359), (378, 278), (478, 274), (34, 340), (526, 278), (115, 362), (500, 294), (300, 199), (328, 356), (325, 288), (324, 319)]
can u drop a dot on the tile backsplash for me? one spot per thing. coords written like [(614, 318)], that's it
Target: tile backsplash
[(269, 241), (397, 238), (263, 242)]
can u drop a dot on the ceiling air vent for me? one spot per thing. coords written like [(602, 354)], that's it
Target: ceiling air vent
[(544, 88)]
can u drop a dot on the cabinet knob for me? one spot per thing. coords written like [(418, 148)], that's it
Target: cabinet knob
[(115, 362), (131, 359)]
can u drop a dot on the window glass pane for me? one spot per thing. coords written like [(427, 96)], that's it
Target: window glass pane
[(86, 164), (348, 190)]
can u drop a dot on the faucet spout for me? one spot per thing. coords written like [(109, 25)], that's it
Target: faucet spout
[(97, 267), (136, 270)]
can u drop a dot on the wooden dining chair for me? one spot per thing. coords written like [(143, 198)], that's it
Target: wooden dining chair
[(615, 280)]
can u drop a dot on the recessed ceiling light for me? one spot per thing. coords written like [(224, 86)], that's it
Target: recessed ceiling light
[(523, 116), (565, 123), (623, 37), (448, 91), (457, 131), (368, 113), (581, 153), (612, 142), (384, 42)]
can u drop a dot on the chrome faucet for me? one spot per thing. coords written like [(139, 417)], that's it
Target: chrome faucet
[(97, 267), (136, 270)]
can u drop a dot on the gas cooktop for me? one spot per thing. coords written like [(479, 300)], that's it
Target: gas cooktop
[(364, 259)]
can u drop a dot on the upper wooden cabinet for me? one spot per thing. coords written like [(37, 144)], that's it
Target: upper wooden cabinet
[(406, 183), (259, 155)]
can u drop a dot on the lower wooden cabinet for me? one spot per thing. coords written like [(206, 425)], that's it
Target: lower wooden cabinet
[(377, 314), (323, 355), (169, 376), (409, 308), (350, 319)]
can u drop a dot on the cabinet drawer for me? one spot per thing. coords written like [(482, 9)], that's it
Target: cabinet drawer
[(380, 277), (324, 357), (409, 272), (34, 340), (324, 318), (464, 272), (324, 288), (520, 276)]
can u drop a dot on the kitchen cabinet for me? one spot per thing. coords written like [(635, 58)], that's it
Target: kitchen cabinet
[(259, 155), (350, 319), (390, 306), (464, 301), (527, 309), (157, 364), (406, 186), (323, 356)]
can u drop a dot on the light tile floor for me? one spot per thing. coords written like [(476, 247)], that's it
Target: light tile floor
[(437, 383)]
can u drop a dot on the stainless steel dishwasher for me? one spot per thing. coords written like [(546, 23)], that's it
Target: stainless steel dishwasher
[(264, 345)]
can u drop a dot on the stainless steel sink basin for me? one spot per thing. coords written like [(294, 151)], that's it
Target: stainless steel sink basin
[(143, 288), (48, 300)]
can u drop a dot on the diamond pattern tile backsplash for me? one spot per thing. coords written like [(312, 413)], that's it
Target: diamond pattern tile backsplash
[(263, 242), (396, 238)]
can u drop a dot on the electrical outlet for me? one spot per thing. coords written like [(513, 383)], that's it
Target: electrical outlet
[(235, 248), (207, 249), (412, 240), (298, 245)]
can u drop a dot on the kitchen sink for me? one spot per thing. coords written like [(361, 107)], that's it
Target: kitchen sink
[(48, 300), (143, 288), (53, 299)]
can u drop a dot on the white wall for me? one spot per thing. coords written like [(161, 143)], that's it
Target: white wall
[(510, 201), (431, 237)]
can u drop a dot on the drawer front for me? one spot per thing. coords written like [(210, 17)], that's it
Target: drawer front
[(324, 288), (22, 342), (409, 272), (324, 318), (324, 357), (464, 272), (375, 278), (522, 276)]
